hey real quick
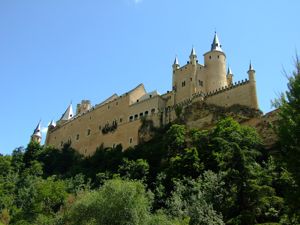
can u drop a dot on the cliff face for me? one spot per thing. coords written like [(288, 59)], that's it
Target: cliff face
[(204, 116)]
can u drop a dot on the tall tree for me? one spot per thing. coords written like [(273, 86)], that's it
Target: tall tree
[(288, 131)]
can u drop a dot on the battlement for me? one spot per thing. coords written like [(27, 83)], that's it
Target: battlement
[(117, 119)]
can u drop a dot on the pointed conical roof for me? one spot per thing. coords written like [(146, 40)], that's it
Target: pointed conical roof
[(229, 72), (251, 67), (193, 52), (68, 114), (216, 45), (37, 130), (176, 62), (52, 124)]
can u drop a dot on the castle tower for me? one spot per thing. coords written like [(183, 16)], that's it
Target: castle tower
[(37, 135), (193, 72), (175, 67), (51, 126), (229, 77), (251, 75), (215, 64), (84, 106), (193, 57)]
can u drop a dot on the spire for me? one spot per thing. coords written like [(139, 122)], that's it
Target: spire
[(68, 113), (52, 124), (176, 62), (251, 67), (193, 52), (229, 72), (193, 57), (37, 135), (37, 130), (216, 46)]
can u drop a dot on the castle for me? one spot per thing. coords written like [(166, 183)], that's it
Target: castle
[(117, 119)]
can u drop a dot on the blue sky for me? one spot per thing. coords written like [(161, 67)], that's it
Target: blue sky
[(55, 52)]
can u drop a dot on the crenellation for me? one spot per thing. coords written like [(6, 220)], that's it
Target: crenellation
[(117, 119)]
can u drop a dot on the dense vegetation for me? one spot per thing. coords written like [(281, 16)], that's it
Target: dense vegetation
[(218, 176)]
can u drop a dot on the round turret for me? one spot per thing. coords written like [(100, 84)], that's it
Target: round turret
[(251, 73), (215, 64), (193, 57), (175, 67), (37, 135)]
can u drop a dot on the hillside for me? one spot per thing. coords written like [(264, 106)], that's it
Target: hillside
[(224, 173)]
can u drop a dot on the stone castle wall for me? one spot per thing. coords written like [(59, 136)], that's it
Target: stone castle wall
[(117, 120)]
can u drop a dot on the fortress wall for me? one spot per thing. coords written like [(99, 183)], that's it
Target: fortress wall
[(125, 134), (150, 105), (241, 93), (85, 130)]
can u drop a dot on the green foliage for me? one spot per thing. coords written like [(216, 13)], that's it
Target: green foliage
[(32, 152), (216, 176), (195, 199), (175, 138), (288, 130), (66, 161), (5, 165), (116, 203), (178, 112), (137, 170), (38, 197), (186, 163), (17, 161)]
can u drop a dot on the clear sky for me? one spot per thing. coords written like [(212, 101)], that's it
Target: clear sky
[(58, 51)]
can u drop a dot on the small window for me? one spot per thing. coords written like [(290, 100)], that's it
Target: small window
[(100, 127), (130, 140), (218, 56), (108, 106), (210, 57), (136, 116), (200, 83), (88, 132), (191, 79), (152, 111), (183, 84), (121, 120), (150, 96), (141, 114), (130, 118), (77, 137), (146, 113)]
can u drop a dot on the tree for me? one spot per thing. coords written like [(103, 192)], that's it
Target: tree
[(137, 170), (31, 153), (186, 163), (116, 203), (17, 162), (288, 130), (175, 139), (195, 199)]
